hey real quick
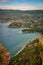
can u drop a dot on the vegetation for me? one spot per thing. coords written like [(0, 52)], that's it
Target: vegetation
[(30, 55), (1, 59), (33, 20), (30, 21), (40, 47), (15, 25), (34, 27)]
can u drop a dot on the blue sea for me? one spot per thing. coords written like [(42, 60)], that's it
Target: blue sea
[(13, 39)]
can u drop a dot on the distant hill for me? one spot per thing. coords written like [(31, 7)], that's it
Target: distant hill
[(20, 11)]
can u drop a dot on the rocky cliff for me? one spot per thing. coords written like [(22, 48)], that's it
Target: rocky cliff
[(4, 56)]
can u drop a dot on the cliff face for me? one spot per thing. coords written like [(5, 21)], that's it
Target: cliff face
[(4, 56), (32, 54), (41, 41)]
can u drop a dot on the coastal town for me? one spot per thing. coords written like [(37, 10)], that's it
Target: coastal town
[(21, 32), (30, 22)]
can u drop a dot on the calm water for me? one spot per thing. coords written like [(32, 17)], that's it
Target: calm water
[(13, 39)]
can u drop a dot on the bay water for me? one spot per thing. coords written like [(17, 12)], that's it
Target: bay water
[(13, 39)]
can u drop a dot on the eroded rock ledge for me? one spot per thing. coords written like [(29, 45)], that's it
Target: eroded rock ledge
[(4, 55)]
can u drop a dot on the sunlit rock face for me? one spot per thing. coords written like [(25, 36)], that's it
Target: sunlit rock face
[(41, 39), (4, 56)]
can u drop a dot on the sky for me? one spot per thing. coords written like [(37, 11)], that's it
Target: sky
[(21, 4)]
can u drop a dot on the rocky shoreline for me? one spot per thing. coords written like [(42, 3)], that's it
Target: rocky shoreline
[(31, 53)]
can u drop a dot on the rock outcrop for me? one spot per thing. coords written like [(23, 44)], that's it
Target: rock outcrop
[(4, 56), (41, 41)]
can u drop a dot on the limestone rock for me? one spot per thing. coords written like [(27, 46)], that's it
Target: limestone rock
[(4, 56)]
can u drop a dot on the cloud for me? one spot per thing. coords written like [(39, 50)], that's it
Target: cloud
[(3, 0), (22, 7)]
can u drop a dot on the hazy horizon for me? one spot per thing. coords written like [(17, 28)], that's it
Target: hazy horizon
[(21, 4)]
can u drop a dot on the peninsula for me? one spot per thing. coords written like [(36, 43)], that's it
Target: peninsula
[(32, 54)]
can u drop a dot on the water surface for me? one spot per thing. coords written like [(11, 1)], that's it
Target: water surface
[(13, 39)]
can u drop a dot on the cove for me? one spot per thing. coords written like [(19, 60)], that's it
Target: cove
[(13, 39)]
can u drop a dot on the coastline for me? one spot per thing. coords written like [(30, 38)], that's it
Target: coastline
[(28, 42), (31, 52)]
